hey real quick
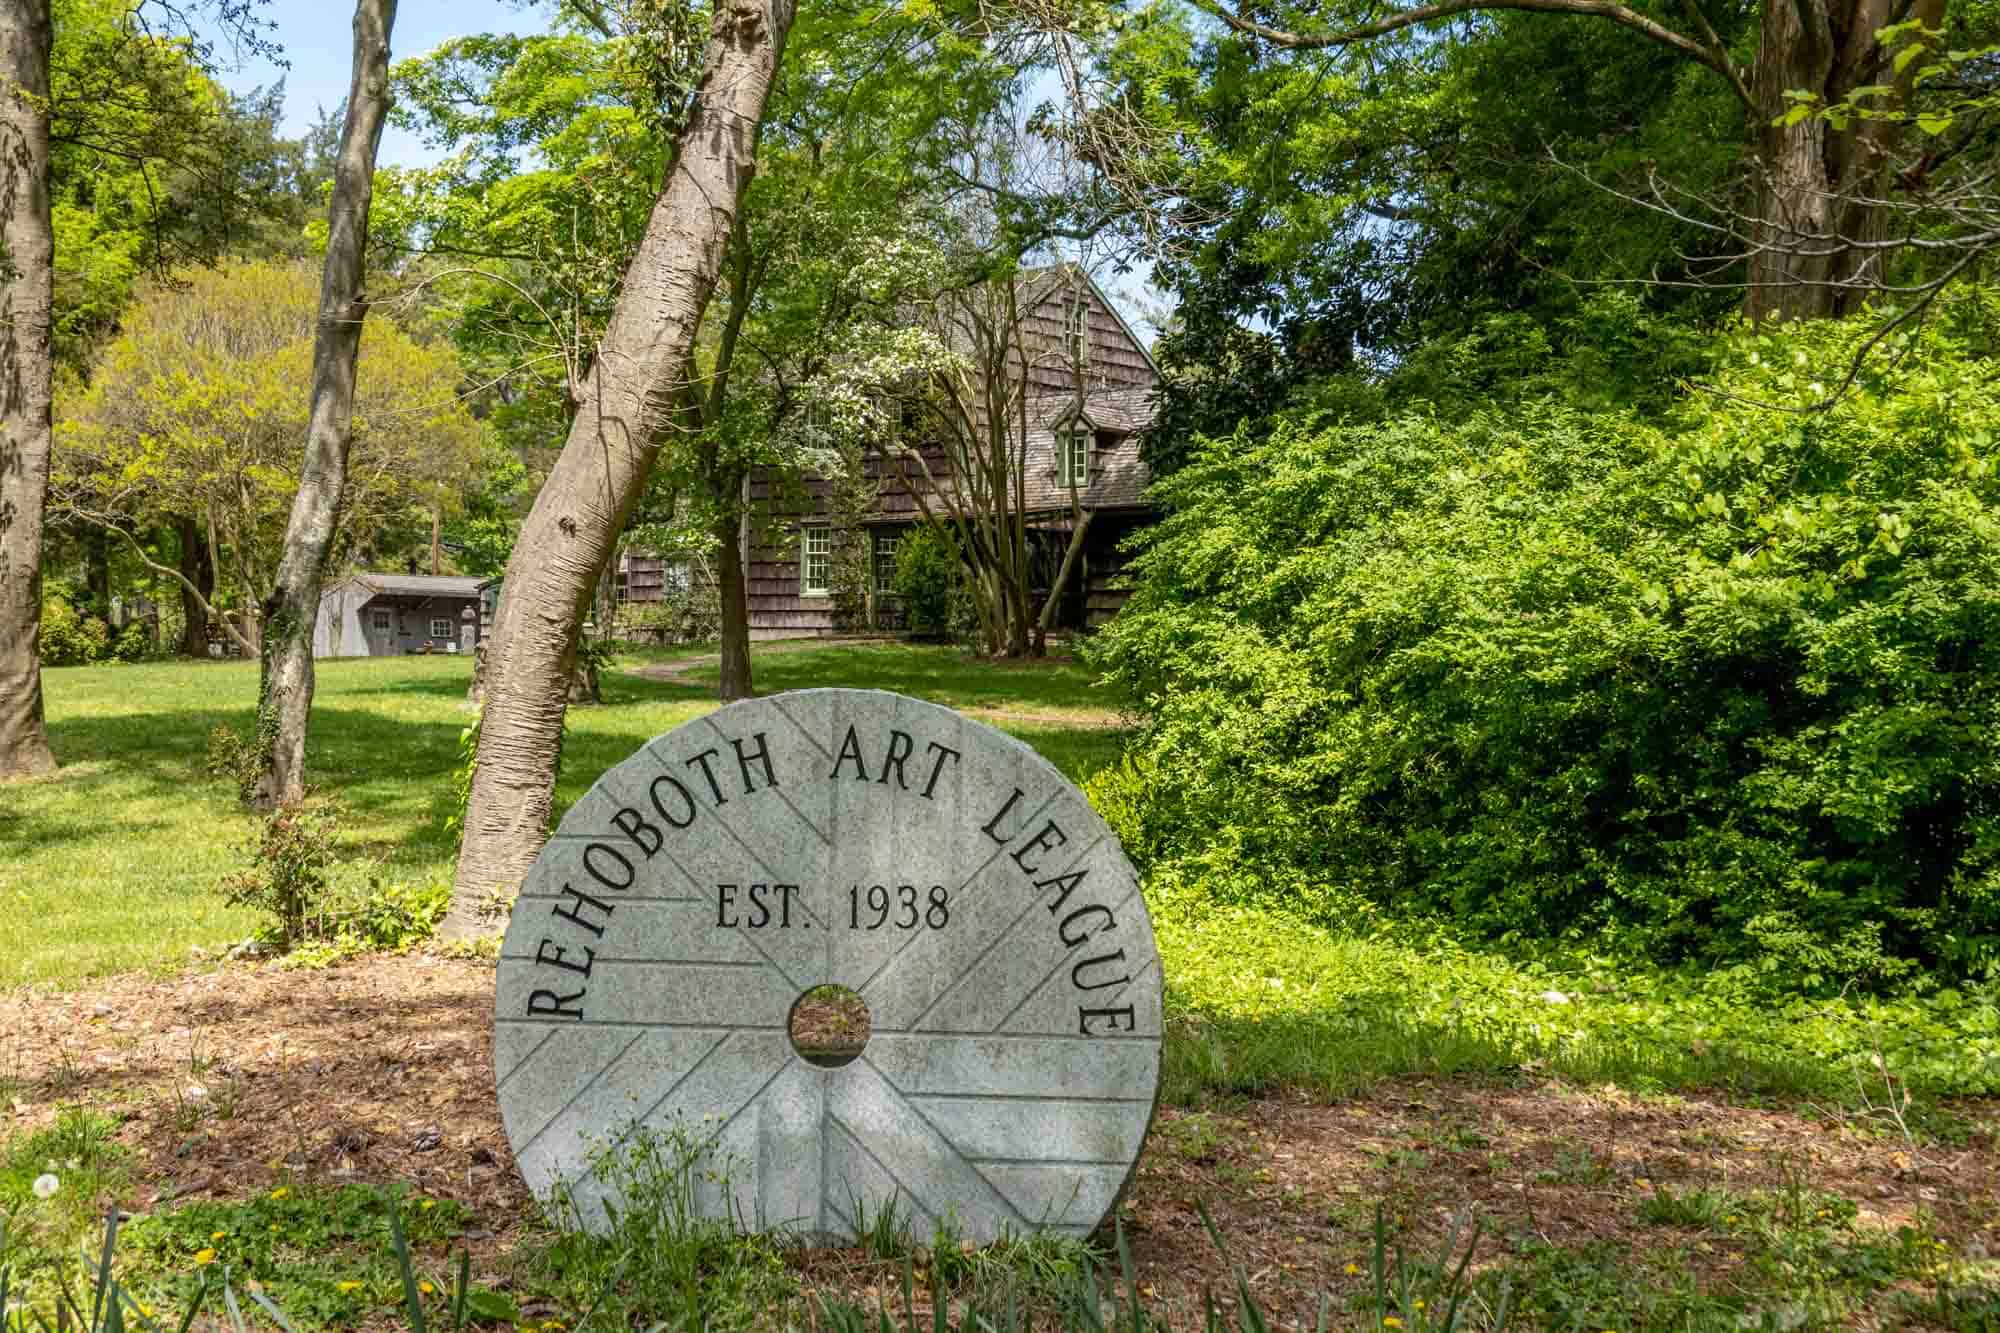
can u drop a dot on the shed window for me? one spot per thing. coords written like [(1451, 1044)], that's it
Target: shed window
[(380, 620), (1073, 466), (440, 628), (816, 566), (885, 560)]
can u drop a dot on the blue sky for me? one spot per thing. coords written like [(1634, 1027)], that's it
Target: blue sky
[(317, 38)]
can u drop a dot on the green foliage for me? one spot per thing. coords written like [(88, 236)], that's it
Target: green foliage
[(1715, 689), (927, 572), (325, 1257), (287, 875), (133, 644), (194, 412), (689, 614), (71, 638), (1259, 1000), (235, 758), (660, 1255)]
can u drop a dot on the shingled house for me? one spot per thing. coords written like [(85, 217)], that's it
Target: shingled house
[(1087, 448)]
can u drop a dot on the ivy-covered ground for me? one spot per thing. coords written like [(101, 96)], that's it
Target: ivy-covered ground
[(1639, 1148)]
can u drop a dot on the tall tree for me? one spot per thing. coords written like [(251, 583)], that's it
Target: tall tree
[(27, 295), (624, 404), (286, 684), (1820, 187)]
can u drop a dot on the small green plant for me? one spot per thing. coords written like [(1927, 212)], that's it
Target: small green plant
[(287, 876), (233, 757), (461, 777), (637, 1248)]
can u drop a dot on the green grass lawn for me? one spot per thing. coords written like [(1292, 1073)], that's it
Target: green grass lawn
[(115, 863)]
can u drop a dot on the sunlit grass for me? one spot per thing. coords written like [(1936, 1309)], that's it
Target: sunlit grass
[(115, 863)]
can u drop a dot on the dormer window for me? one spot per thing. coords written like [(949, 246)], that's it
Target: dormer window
[(1073, 455)]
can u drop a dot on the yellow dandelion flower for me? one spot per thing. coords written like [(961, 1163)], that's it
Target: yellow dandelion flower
[(347, 1286), (1419, 1305), (281, 1192), (1352, 1269), (218, 1235), (1390, 1321), (426, 1288), (203, 1257)]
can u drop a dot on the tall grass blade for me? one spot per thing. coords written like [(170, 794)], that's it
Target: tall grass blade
[(402, 1249), (104, 1267), (463, 1285), (273, 1311), (194, 1306)]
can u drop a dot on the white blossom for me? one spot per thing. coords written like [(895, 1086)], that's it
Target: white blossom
[(46, 1185)]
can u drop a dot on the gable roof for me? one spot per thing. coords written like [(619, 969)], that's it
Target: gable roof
[(1117, 476), (414, 585)]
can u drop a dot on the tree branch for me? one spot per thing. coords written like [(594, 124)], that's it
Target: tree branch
[(1619, 14)]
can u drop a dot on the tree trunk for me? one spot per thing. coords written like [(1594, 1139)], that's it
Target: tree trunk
[(27, 296), (197, 587), (623, 403), (732, 588), (285, 697), (96, 545), (1818, 187)]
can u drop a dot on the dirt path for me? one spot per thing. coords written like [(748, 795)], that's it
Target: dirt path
[(381, 1070)]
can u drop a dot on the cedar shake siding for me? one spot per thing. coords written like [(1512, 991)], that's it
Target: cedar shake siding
[(1118, 385)]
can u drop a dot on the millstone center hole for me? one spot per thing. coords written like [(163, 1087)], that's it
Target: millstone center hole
[(829, 1025)]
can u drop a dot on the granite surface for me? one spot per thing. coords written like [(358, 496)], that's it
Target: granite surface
[(941, 869)]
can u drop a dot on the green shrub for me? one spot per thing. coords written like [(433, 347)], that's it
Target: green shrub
[(1719, 689), (133, 644), (233, 757), (70, 638), (287, 876), (926, 578)]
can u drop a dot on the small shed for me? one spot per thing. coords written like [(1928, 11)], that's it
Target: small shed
[(389, 615)]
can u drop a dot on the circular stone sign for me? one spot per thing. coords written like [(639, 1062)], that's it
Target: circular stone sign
[(944, 872)]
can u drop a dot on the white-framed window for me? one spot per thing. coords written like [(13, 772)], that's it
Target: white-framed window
[(440, 627), (1073, 455), (380, 620), (816, 562), (885, 560)]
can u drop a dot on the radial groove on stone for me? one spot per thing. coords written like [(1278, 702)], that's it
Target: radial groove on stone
[(939, 868)]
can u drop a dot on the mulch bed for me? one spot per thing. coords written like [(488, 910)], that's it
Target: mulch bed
[(380, 1070)]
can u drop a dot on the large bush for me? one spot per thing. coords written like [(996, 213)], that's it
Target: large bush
[(71, 638), (1723, 689)]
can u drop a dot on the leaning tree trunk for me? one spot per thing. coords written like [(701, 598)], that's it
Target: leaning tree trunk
[(626, 399), (1820, 189), (27, 297), (287, 682)]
